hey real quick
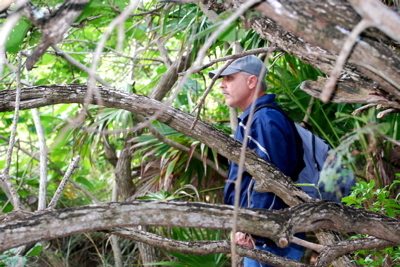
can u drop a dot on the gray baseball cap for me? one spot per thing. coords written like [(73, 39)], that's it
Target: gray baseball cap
[(250, 64)]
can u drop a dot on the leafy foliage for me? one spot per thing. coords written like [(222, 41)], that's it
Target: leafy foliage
[(382, 200)]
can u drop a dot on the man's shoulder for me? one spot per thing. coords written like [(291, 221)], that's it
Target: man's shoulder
[(266, 112)]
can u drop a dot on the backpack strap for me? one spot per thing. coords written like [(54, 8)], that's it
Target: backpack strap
[(299, 143)]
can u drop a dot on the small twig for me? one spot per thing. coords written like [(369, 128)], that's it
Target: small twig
[(77, 64), (341, 60), (5, 176), (241, 162), (309, 110), (383, 17), (276, 58), (114, 239), (152, 12), (361, 109), (396, 142), (121, 36), (226, 58), (387, 112), (179, 1), (185, 149), (163, 52), (108, 48), (238, 180), (72, 166), (42, 161), (203, 98), (316, 247), (92, 89)]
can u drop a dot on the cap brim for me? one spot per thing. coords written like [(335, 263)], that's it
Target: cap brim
[(227, 71)]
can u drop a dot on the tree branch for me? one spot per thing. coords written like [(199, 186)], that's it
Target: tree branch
[(260, 169), (204, 247), (278, 225), (42, 161), (72, 166), (294, 37), (5, 175)]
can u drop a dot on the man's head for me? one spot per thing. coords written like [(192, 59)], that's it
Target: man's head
[(240, 80)]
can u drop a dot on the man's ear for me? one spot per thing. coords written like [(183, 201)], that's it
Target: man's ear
[(252, 81)]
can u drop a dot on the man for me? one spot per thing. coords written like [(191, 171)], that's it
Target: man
[(271, 136)]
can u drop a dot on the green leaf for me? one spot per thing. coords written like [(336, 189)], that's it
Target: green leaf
[(82, 180), (17, 36), (138, 33), (35, 250), (47, 59), (207, 31), (15, 261), (171, 168), (96, 8)]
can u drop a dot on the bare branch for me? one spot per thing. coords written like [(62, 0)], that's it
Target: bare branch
[(73, 165), (42, 161), (295, 38), (341, 248), (53, 28), (77, 64), (204, 247), (262, 50), (380, 15), (279, 225), (185, 149), (5, 175), (341, 60)]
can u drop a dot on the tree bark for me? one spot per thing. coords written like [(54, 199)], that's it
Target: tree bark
[(279, 225), (314, 32), (123, 173)]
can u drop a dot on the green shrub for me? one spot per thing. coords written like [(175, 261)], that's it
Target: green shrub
[(382, 201)]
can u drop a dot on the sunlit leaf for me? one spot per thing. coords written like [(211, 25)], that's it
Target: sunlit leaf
[(17, 36)]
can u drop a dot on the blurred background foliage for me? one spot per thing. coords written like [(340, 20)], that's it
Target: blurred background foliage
[(157, 33)]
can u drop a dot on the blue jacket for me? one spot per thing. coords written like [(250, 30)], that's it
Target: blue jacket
[(271, 136)]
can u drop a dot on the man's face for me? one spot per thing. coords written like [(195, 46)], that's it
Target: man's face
[(236, 90)]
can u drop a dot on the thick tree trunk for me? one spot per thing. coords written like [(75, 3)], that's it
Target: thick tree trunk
[(148, 252), (123, 173)]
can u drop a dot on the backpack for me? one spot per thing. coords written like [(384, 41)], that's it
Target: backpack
[(315, 160)]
